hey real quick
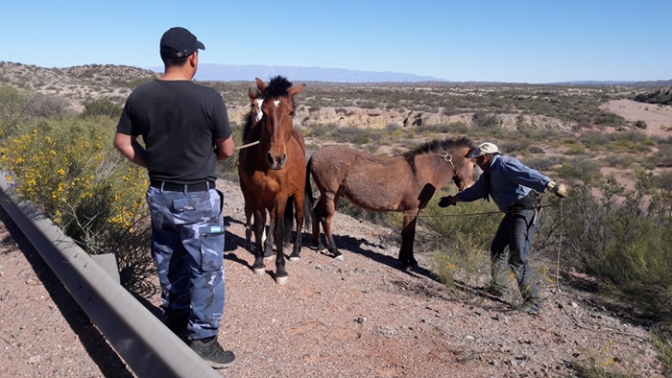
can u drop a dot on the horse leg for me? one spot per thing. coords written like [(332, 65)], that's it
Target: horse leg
[(298, 218), (278, 233), (330, 209), (259, 225), (407, 237), (318, 216), (267, 241)]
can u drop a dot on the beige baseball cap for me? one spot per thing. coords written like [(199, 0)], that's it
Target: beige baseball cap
[(483, 149)]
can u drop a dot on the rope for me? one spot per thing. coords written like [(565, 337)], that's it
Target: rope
[(465, 215), (559, 245), (246, 145)]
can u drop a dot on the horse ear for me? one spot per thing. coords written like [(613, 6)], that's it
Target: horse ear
[(296, 90), (251, 94), (261, 85)]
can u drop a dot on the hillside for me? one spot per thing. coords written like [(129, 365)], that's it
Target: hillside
[(509, 106)]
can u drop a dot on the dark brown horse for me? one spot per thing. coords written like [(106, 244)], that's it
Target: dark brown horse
[(273, 172), (404, 182)]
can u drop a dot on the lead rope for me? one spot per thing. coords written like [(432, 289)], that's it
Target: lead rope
[(246, 145), (557, 261)]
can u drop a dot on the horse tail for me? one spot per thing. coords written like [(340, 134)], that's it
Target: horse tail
[(309, 200), (288, 220)]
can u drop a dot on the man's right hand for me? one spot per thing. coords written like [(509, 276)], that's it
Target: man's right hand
[(447, 201)]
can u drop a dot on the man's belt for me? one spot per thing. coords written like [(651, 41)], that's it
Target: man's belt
[(173, 187)]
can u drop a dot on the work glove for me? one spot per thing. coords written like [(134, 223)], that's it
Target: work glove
[(559, 190), (447, 201)]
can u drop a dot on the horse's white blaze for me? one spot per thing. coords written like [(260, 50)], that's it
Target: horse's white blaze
[(276, 102), (259, 112)]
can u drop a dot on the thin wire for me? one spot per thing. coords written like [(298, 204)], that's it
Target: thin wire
[(466, 215)]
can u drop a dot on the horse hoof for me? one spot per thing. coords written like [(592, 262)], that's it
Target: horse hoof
[(281, 280), (260, 272), (269, 258), (294, 258), (339, 258)]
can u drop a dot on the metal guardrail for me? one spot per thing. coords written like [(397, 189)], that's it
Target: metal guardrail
[(142, 341)]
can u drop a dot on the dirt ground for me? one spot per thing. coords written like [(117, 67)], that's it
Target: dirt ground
[(658, 118), (361, 317)]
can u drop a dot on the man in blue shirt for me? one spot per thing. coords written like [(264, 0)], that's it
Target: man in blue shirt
[(513, 187)]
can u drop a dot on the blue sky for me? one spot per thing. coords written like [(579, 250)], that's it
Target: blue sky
[(535, 41)]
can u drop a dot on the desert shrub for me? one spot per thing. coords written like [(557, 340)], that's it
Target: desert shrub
[(101, 107), (21, 108), (382, 218), (619, 160), (576, 149), (463, 236), (544, 163), (609, 119), (615, 238), (513, 146), (663, 158), (484, 120), (594, 140), (641, 124), (228, 169), (351, 134), (582, 170)]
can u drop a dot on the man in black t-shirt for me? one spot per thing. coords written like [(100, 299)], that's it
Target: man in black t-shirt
[(185, 130)]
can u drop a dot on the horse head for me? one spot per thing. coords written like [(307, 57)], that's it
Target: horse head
[(463, 167), (277, 111)]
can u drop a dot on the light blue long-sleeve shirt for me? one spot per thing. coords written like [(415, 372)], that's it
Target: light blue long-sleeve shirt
[(510, 180)]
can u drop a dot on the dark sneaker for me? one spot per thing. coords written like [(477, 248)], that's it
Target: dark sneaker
[(531, 306), (213, 353)]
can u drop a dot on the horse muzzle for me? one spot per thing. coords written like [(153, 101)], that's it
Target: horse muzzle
[(276, 162)]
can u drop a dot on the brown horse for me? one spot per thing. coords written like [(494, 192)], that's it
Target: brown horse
[(404, 182), (273, 172)]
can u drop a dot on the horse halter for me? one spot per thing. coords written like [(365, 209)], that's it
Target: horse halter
[(447, 157)]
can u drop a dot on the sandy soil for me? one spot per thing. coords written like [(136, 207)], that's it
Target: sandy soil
[(361, 317), (658, 118)]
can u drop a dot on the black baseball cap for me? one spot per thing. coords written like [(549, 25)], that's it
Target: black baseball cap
[(178, 42)]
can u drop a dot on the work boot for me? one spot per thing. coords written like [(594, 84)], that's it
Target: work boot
[(213, 353), (531, 306)]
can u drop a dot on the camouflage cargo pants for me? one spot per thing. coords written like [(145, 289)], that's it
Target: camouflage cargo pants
[(188, 248)]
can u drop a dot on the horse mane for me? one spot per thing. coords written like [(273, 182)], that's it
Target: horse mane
[(278, 87), (439, 146), (251, 117)]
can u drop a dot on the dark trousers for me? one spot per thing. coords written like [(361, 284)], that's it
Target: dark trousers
[(510, 249)]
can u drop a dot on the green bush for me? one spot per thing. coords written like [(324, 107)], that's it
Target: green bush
[(463, 237), (101, 107)]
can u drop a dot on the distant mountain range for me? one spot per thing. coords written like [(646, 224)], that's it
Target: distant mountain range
[(230, 72)]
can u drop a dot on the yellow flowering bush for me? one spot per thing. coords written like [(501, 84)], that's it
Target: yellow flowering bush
[(71, 171)]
